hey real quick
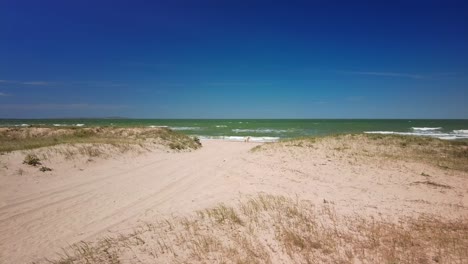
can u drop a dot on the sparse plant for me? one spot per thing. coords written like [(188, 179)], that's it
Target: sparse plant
[(176, 146), (32, 159), (44, 169), (223, 214), (256, 148)]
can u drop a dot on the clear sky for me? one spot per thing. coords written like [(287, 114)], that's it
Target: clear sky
[(234, 59)]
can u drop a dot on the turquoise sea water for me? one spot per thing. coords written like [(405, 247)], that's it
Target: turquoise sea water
[(271, 130)]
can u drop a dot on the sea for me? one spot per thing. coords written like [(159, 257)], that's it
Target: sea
[(268, 130)]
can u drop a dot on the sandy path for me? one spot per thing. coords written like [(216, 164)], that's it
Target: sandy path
[(42, 220)]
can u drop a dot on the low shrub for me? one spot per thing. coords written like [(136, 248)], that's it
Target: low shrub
[(176, 146), (32, 160), (44, 169)]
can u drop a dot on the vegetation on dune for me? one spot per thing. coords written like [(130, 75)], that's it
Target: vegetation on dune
[(32, 160), (275, 229), (44, 169), (36, 137), (445, 154)]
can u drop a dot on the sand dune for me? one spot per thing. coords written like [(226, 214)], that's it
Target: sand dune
[(82, 199), (41, 213)]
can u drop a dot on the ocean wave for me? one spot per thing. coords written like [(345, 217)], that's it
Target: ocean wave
[(184, 128), (260, 130), (158, 126), (426, 128), (461, 131), (439, 135), (241, 139), (67, 125), (15, 125), (219, 126), (380, 132)]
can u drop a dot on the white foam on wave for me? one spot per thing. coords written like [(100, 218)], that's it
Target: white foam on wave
[(447, 136), (426, 128), (263, 139), (260, 130), (67, 125), (219, 126), (380, 132), (158, 126), (20, 125), (241, 139), (184, 128), (461, 131)]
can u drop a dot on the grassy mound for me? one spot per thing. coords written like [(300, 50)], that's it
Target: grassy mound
[(36, 137), (446, 154)]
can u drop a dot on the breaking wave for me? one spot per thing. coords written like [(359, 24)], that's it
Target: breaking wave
[(68, 125), (428, 132), (426, 128), (184, 128), (260, 130)]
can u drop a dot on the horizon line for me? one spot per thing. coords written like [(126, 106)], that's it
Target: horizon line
[(287, 118)]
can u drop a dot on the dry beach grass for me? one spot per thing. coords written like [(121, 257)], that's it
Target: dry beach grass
[(277, 229), (442, 153)]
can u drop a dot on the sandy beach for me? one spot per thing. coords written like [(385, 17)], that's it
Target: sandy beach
[(234, 132), (87, 199)]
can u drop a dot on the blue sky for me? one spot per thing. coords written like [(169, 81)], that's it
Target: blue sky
[(234, 59)]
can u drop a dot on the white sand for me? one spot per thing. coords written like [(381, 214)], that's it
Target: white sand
[(40, 213)]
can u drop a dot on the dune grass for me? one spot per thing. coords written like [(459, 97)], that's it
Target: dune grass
[(446, 154), (36, 137), (276, 229)]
